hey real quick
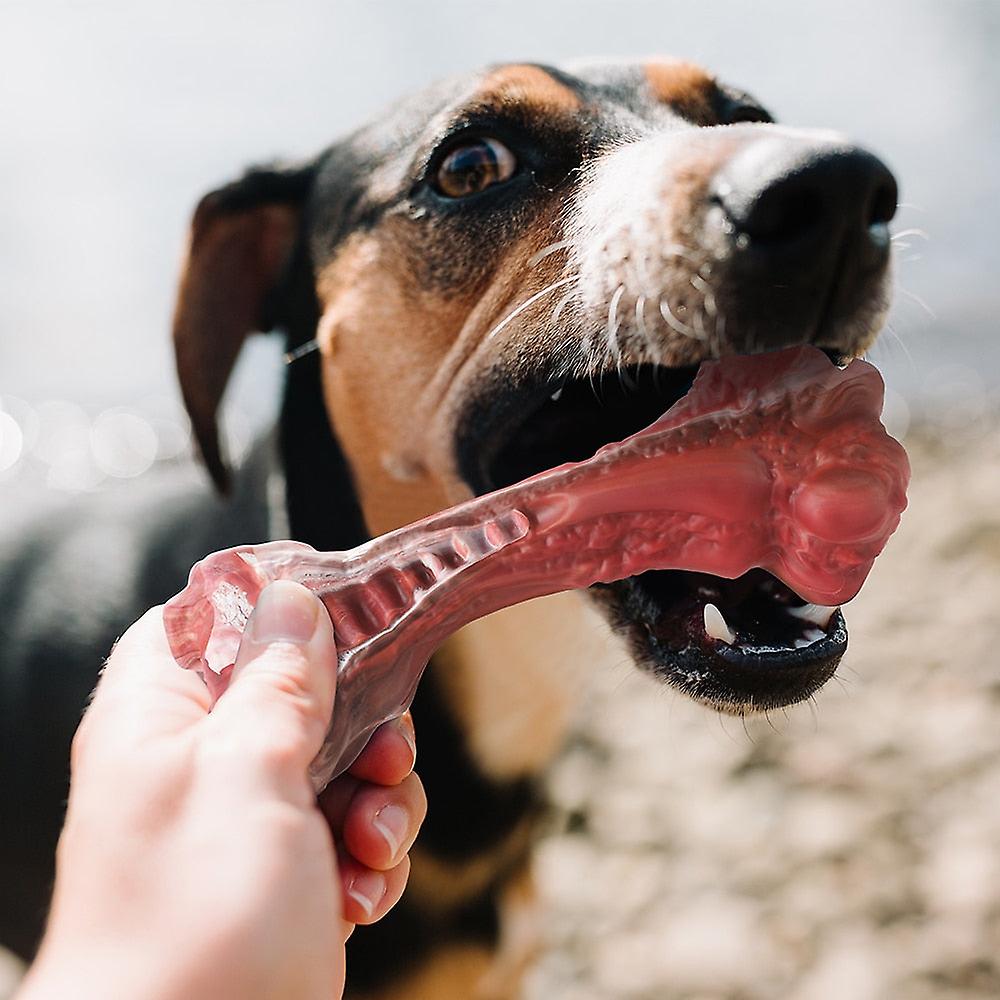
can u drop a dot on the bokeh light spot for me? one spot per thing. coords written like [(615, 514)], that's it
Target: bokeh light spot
[(123, 443)]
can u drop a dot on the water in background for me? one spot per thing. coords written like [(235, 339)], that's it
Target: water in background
[(117, 117)]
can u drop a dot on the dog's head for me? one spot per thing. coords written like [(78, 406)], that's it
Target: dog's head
[(515, 268)]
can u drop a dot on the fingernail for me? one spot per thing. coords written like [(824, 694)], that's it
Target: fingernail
[(285, 612), (367, 890), (406, 731), (393, 823)]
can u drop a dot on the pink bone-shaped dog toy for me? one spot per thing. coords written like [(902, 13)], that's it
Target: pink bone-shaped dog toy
[(776, 461)]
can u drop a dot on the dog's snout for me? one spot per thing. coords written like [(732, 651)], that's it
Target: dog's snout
[(803, 198)]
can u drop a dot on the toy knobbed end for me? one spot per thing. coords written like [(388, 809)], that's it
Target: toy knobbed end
[(205, 621), (187, 621)]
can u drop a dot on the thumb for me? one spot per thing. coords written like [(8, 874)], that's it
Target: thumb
[(280, 698)]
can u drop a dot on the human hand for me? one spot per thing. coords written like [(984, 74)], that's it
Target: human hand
[(194, 861)]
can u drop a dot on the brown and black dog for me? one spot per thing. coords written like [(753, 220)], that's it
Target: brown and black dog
[(506, 272)]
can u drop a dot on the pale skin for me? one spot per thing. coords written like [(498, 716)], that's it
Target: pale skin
[(195, 861)]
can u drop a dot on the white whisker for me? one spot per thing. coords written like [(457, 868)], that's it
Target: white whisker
[(909, 232), (674, 323), (708, 298), (640, 317), (301, 351), (529, 302), (699, 323), (560, 305), (899, 340), (552, 248), (613, 324), (919, 301)]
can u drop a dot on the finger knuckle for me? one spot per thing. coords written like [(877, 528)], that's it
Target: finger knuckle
[(288, 689), (240, 748), (286, 663), (286, 826), (280, 752), (287, 677)]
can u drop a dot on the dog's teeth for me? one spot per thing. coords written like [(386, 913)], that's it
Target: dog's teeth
[(716, 627), (811, 635), (817, 614), (555, 396)]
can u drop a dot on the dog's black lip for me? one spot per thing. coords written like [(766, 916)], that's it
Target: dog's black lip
[(732, 678), (834, 643), (739, 680), (654, 613), (501, 409), (491, 415)]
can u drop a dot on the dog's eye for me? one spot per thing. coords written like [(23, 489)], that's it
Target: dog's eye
[(474, 167)]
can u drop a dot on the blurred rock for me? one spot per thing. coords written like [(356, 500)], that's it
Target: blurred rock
[(844, 851)]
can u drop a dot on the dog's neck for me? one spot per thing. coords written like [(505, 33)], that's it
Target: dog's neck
[(514, 720)]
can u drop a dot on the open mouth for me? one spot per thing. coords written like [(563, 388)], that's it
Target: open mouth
[(741, 645)]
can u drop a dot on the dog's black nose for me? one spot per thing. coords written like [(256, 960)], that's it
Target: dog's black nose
[(805, 200)]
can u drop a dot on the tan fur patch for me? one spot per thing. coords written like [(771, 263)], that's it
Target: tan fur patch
[(474, 972), (513, 678), (394, 356), (442, 887), (686, 87), (521, 934), (383, 339), (439, 888), (526, 86)]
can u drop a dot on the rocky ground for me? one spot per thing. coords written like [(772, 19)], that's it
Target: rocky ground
[(847, 850)]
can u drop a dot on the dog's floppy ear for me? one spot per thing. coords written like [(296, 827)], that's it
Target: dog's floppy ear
[(242, 241)]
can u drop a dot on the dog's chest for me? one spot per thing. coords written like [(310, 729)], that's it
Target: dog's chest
[(514, 678)]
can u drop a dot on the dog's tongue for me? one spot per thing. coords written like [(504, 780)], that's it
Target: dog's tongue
[(776, 461)]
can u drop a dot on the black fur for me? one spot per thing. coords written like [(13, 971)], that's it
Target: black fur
[(73, 581), (412, 934), (75, 578), (75, 575), (469, 814)]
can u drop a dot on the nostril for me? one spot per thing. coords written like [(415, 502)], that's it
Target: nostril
[(883, 202), (783, 212), (789, 196)]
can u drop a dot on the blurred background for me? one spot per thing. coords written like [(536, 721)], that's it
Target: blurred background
[(848, 850)]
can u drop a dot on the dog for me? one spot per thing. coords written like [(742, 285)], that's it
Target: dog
[(505, 272)]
